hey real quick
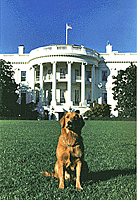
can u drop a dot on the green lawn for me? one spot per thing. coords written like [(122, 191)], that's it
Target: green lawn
[(29, 147)]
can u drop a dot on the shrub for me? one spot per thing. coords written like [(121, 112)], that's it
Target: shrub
[(99, 110)]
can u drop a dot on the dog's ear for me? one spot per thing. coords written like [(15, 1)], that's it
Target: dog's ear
[(62, 121)]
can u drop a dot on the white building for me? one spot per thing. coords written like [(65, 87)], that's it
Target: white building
[(64, 77)]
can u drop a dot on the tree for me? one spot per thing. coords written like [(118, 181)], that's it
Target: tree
[(124, 91), (8, 88)]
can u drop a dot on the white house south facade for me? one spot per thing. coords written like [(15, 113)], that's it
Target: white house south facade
[(68, 77)]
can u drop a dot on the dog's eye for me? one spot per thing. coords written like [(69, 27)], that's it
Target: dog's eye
[(67, 116)]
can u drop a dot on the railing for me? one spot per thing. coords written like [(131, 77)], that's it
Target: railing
[(61, 48), (77, 77), (65, 49), (38, 78), (47, 77), (62, 76)]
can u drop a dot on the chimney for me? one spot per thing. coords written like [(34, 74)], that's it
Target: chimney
[(109, 48), (21, 49)]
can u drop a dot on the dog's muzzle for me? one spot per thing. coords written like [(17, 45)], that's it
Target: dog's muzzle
[(69, 125)]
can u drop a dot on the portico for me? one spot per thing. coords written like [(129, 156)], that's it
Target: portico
[(67, 83)]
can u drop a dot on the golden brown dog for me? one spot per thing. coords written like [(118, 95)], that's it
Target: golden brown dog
[(70, 150)]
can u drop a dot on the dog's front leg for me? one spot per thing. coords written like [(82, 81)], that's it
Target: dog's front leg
[(61, 175), (78, 172)]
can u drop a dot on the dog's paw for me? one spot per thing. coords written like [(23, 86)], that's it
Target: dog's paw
[(61, 187), (78, 187)]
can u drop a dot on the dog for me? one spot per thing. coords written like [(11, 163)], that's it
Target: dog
[(70, 150)]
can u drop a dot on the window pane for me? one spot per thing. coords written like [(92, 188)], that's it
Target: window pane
[(77, 74), (62, 96), (76, 96)]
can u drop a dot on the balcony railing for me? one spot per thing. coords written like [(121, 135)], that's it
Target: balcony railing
[(77, 77), (48, 77), (62, 76), (37, 78), (63, 49)]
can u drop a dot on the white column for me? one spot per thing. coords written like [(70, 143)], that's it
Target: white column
[(83, 84), (53, 102), (93, 83), (33, 77), (69, 102), (41, 84), (33, 84), (17, 75)]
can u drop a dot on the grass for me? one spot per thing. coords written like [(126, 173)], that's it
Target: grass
[(29, 147)]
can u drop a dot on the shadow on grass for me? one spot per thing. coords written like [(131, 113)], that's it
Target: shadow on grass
[(103, 175), (108, 174)]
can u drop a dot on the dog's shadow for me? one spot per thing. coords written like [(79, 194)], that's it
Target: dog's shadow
[(103, 175)]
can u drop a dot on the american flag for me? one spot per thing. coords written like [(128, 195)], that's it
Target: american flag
[(69, 27)]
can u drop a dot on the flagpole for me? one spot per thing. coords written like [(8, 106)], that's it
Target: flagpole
[(67, 27), (66, 34)]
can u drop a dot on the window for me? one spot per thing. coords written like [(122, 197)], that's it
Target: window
[(77, 74), (104, 97), (104, 75), (37, 75), (62, 73), (88, 76), (62, 96), (23, 75), (49, 74), (76, 96), (88, 94)]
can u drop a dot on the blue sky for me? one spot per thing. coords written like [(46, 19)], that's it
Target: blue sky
[(36, 23)]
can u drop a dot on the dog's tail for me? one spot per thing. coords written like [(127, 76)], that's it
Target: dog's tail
[(49, 174)]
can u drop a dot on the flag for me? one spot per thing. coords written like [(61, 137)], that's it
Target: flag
[(69, 27)]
